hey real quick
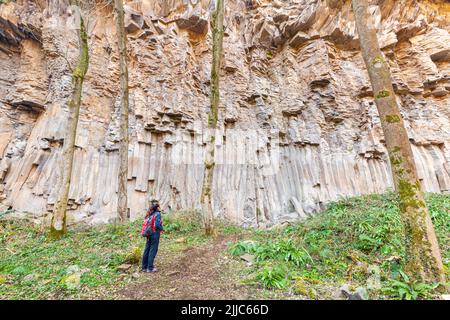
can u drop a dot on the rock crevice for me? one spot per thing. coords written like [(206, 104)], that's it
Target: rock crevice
[(297, 124)]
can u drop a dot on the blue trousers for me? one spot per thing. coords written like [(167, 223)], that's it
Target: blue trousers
[(150, 251)]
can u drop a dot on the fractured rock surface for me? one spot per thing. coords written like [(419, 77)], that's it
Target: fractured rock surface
[(297, 123)]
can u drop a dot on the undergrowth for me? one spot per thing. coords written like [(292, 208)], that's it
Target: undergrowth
[(35, 267), (358, 241)]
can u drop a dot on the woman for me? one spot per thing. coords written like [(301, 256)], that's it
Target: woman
[(154, 221)]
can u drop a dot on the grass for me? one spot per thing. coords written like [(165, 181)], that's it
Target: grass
[(356, 240), (35, 267)]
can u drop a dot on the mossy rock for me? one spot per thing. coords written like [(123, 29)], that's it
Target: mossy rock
[(72, 282), (303, 288), (134, 256)]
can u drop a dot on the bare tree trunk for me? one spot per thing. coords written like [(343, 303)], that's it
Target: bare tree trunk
[(423, 257), (58, 224), (122, 207), (206, 196)]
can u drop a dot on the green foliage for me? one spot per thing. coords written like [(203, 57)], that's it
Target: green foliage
[(184, 222), (339, 245), (229, 229), (335, 247), (239, 248), (171, 225), (283, 251), (383, 94), (393, 118), (272, 277), (134, 256), (406, 290), (25, 250)]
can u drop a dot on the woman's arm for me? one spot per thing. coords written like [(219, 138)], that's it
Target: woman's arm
[(158, 222)]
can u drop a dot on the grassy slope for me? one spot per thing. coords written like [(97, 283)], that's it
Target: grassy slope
[(25, 250), (355, 240), (305, 260)]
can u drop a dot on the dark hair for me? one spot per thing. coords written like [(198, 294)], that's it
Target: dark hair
[(150, 210)]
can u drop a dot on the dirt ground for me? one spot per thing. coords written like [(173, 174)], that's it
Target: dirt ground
[(203, 272)]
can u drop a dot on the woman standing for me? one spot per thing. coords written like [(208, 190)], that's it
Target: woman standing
[(151, 229)]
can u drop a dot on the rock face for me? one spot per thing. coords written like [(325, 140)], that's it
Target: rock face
[(298, 124)]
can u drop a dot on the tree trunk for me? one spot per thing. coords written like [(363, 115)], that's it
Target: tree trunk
[(206, 196), (122, 207), (423, 259), (58, 224)]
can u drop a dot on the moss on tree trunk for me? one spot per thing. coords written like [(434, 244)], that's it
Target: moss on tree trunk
[(423, 259), (206, 195), (58, 224)]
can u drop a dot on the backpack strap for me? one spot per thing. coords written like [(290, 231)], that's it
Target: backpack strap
[(152, 222)]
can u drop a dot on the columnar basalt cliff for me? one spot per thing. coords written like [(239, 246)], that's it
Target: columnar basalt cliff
[(297, 120)]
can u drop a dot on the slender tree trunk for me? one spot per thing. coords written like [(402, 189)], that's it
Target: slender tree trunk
[(206, 196), (122, 207), (58, 224), (423, 259)]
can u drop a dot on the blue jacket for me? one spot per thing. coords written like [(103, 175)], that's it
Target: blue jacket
[(158, 221)]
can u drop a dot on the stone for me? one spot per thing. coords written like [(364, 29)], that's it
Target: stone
[(73, 281), (73, 269), (344, 290), (30, 277), (249, 258), (134, 21), (299, 39), (440, 92), (303, 287), (194, 23), (359, 294), (124, 267), (298, 126)]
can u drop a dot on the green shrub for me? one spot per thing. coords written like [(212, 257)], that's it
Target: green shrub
[(341, 243), (405, 289), (241, 247), (272, 277)]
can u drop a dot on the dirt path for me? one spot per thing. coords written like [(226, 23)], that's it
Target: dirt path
[(195, 273)]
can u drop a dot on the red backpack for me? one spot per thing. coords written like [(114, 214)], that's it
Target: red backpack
[(148, 227)]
